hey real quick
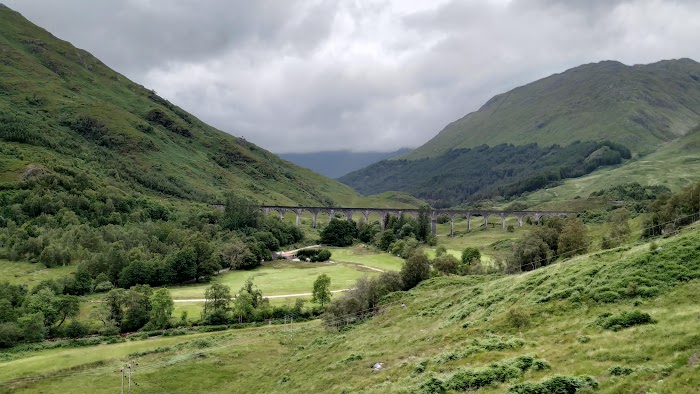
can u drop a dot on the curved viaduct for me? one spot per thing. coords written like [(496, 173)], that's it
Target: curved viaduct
[(383, 212)]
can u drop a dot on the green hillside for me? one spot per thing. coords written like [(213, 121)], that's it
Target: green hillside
[(674, 165), (469, 175), (61, 109), (640, 106)]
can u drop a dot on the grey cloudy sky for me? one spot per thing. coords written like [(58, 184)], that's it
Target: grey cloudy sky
[(370, 75)]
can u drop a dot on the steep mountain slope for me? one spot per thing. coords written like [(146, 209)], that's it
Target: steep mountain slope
[(483, 172), (335, 164), (640, 106), (62, 110)]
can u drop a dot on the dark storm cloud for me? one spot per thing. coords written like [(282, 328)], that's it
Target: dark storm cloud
[(361, 75)]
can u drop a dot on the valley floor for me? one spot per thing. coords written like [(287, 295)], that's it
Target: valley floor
[(450, 329)]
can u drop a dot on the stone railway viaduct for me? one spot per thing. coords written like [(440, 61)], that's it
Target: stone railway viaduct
[(383, 212)]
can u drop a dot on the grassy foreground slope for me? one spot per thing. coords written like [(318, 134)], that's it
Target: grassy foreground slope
[(455, 334), (61, 109), (640, 106)]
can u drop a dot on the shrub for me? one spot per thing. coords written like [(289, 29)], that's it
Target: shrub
[(620, 370), (446, 264), (352, 357), (10, 334), (473, 379), (415, 270), (443, 218), (323, 255), (314, 255), (420, 367), (440, 251), (76, 329), (623, 320), (470, 254), (432, 385), (606, 296), (556, 384), (517, 318), (653, 246)]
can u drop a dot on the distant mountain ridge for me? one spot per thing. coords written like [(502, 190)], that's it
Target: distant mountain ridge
[(334, 164), (640, 106)]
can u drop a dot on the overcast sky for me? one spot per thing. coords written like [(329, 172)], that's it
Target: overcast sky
[(375, 75)]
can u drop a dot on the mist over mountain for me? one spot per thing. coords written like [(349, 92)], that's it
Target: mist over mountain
[(334, 164)]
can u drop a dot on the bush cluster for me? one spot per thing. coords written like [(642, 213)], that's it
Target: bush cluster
[(554, 238), (503, 371), (556, 384), (617, 322), (314, 255), (491, 343), (362, 300), (672, 211), (248, 306), (620, 370)]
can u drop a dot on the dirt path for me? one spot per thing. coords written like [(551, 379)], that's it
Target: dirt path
[(271, 297), (296, 250)]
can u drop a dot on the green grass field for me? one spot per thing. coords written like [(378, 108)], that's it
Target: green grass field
[(280, 278), (286, 277), (20, 272), (368, 256)]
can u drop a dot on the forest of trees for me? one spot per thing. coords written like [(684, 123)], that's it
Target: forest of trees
[(122, 240), (464, 175), (119, 243), (669, 212)]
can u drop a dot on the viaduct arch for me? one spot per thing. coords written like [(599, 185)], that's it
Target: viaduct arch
[(433, 214)]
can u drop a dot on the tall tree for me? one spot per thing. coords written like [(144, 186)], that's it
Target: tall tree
[(182, 265), (236, 254), (218, 298), (137, 304), (322, 292), (529, 253), (470, 254), (240, 213), (573, 239), (414, 270), (162, 307), (256, 295), (423, 223), (339, 233)]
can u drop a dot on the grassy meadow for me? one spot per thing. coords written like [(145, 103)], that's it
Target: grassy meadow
[(280, 277), (21, 272)]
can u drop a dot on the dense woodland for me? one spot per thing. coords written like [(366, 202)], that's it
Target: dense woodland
[(464, 175)]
